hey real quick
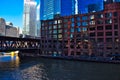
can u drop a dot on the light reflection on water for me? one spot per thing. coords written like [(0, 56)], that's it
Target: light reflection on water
[(9, 62), (46, 69)]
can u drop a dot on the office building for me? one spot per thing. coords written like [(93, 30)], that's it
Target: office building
[(89, 6), (90, 34), (38, 26), (29, 18), (52, 8)]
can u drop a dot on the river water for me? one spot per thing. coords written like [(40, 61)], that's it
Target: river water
[(14, 68)]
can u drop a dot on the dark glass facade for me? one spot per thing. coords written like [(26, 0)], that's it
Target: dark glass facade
[(51, 8), (85, 6), (67, 7)]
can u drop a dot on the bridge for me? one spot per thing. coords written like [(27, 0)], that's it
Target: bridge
[(21, 44)]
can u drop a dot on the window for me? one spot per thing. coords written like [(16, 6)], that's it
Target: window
[(78, 18), (72, 25), (50, 23), (42, 24), (92, 29), (54, 27), (54, 31), (59, 26), (115, 21), (100, 34), (50, 31), (72, 29), (65, 35), (84, 17), (84, 29), (92, 17), (99, 15), (115, 14), (99, 21), (100, 39), (43, 28), (65, 25), (116, 33), (59, 21), (109, 21), (108, 15), (71, 35), (65, 30), (55, 22), (92, 23), (108, 39), (72, 19), (59, 31), (50, 27), (115, 26), (84, 23), (109, 27), (108, 33), (92, 34), (78, 24), (78, 29), (54, 36), (65, 20), (99, 27)]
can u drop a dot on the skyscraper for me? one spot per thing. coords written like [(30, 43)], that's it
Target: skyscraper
[(29, 17), (38, 21), (67, 7), (50, 8), (47, 9), (85, 6)]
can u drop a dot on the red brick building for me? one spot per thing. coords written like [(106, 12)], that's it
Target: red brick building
[(92, 34)]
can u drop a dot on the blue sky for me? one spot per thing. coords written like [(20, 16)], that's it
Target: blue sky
[(12, 11)]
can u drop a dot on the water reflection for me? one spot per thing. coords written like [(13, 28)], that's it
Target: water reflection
[(9, 62), (47, 69)]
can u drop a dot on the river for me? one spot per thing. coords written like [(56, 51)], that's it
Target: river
[(14, 68)]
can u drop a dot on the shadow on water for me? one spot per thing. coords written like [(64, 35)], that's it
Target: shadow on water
[(51, 69)]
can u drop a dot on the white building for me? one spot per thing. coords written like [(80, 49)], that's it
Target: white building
[(29, 18), (11, 31), (7, 29)]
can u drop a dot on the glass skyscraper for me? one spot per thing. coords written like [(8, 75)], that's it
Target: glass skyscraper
[(85, 6), (67, 7), (47, 9), (50, 8)]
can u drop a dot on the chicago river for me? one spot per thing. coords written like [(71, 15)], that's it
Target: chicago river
[(15, 68)]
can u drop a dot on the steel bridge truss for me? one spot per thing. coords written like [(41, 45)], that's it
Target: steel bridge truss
[(13, 43)]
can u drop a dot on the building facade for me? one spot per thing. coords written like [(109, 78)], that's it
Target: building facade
[(38, 26), (29, 18), (90, 6), (51, 8), (11, 31), (7, 29), (2, 27), (91, 34)]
